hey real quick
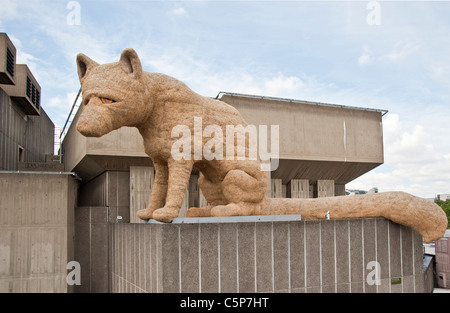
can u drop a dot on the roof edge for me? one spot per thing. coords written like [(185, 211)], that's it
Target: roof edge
[(221, 93)]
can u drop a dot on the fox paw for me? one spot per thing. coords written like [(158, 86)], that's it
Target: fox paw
[(144, 214), (165, 215), (199, 212)]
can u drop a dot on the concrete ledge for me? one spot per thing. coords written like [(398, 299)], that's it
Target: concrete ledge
[(231, 219), (254, 254)]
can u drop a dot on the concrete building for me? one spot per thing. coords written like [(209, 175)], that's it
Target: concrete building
[(26, 132), (443, 196), (37, 199), (53, 213), (322, 148)]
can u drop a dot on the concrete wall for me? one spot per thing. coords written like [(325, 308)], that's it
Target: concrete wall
[(285, 256), (36, 231), (110, 189), (33, 133), (316, 132), (92, 248)]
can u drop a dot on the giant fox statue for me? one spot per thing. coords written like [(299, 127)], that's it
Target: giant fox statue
[(122, 94)]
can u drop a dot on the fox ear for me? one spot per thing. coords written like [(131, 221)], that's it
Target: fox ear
[(130, 63), (84, 63)]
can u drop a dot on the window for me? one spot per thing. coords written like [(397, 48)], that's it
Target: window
[(21, 157), (32, 93), (10, 61)]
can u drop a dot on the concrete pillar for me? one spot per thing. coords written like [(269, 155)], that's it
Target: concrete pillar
[(201, 199), (185, 205), (141, 183), (325, 188), (193, 191), (276, 188), (298, 188), (339, 190)]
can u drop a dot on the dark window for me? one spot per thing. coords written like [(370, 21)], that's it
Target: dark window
[(21, 154), (10, 62), (33, 93)]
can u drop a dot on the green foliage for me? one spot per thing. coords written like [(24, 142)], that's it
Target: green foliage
[(445, 205)]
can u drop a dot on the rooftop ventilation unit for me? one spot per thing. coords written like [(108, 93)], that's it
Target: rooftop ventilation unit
[(7, 60), (26, 93)]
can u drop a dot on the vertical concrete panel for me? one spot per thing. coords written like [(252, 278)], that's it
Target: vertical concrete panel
[(276, 188), (264, 257), (369, 250), (407, 251), (189, 258), (418, 262), (246, 257), (146, 258), (298, 188), (141, 263), (328, 254), (185, 204), (312, 253), (325, 188), (395, 250), (99, 258), (141, 183), (297, 255), (33, 209), (5, 253), (228, 257), (156, 266), (209, 257), (342, 253), (383, 247), (193, 191), (356, 253), (83, 247), (339, 190), (281, 256)]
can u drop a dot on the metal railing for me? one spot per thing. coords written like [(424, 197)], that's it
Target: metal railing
[(66, 126)]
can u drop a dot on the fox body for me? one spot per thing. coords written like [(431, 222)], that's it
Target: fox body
[(122, 94)]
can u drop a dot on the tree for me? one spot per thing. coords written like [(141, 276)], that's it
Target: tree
[(445, 205)]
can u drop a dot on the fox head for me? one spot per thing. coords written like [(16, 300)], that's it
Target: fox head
[(114, 94)]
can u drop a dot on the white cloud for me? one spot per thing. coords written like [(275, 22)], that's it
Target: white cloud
[(62, 102), (280, 84), (8, 10), (412, 163), (365, 57), (401, 50), (179, 12)]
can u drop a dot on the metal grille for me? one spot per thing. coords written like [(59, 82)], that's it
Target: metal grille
[(10, 62), (33, 93)]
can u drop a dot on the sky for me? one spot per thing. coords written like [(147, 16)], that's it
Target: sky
[(390, 55)]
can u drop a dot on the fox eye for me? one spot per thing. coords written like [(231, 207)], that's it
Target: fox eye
[(107, 101)]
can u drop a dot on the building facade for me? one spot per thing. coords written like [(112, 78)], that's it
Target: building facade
[(26, 131), (37, 199)]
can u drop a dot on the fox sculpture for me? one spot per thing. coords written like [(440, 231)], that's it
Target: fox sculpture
[(122, 94)]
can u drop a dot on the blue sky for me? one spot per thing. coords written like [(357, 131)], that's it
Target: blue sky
[(325, 51)]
